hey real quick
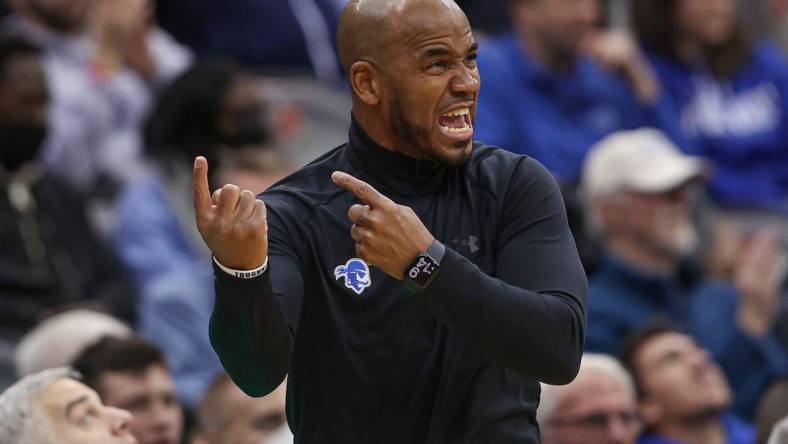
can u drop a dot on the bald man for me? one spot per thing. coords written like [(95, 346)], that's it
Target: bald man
[(415, 285)]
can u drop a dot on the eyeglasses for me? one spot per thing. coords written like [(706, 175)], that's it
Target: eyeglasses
[(599, 421)]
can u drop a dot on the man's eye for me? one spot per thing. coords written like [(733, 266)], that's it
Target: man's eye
[(471, 60), (437, 64), (88, 417)]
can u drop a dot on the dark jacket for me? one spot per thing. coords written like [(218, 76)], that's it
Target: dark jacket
[(458, 363)]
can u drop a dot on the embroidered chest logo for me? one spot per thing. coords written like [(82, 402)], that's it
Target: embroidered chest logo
[(356, 274), (472, 243)]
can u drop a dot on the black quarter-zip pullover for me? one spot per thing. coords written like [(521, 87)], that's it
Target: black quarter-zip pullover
[(369, 361)]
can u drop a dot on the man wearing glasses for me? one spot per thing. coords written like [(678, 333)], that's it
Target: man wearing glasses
[(598, 407)]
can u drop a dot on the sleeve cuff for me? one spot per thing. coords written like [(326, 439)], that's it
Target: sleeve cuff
[(243, 274)]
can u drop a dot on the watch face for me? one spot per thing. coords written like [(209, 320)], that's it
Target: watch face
[(422, 270)]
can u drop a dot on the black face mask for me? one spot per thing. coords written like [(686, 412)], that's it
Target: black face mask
[(251, 132), (19, 144)]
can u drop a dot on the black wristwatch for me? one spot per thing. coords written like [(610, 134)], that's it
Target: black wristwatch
[(424, 267)]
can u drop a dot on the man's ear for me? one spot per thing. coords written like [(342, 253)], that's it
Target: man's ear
[(366, 82)]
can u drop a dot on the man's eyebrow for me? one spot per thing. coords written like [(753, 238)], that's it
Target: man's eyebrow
[(70, 406), (436, 51)]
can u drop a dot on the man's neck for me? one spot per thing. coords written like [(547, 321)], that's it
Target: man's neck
[(707, 430), (640, 258), (688, 51), (378, 132)]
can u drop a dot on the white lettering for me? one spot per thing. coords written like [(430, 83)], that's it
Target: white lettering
[(717, 111)]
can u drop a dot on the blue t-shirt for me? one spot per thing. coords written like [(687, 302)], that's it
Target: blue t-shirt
[(554, 117), (736, 430), (739, 123)]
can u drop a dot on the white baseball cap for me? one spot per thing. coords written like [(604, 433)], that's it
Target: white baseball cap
[(642, 160)]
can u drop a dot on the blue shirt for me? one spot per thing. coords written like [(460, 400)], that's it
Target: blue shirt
[(554, 117), (736, 431), (172, 272), (739, 123), (622, 299)]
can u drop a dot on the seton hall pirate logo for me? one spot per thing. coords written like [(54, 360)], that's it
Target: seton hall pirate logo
[(356, 274)]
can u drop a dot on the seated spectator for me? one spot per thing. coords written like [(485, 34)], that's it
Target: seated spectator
[(228, 415), (274, 37), (557, 85), (51, 407), (683, 395), (487, 17), (598, 407), (104, 60), (57, 341), (50, 259), (215, 110), (131, 374), (771, 410), (730, 94), (638, 190)]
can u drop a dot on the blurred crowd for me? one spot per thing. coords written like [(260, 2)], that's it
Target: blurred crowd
[(665, 122)]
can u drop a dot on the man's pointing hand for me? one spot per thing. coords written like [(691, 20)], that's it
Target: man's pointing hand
[(231, 222), (388, 236)]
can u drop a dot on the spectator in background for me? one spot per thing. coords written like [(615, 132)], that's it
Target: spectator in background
[(487, 17), (51, 407), (730, 94), (105, 59), (228, 415), (638, 189), (682, 394), (215, 109), (50, 259), (558, 84), (598, 407), (57, 341), (273, 37), (131, 374)]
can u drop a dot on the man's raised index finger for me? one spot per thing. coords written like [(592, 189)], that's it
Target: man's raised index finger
[(364, 191), (201, 192)]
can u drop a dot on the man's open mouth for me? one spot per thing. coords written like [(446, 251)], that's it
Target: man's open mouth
[(456, 123)]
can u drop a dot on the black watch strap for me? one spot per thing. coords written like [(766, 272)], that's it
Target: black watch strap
[(436, 251), (424, 267)]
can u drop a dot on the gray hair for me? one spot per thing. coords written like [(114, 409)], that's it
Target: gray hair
[(779, 433), (20, 420), (57, 341), (552, 395)]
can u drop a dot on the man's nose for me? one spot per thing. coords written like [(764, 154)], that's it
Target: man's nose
[(119, 420), (618, 431), (465, 81), (165, 416)]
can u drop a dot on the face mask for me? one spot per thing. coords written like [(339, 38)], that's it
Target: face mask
[(19, 144), (251, 132)]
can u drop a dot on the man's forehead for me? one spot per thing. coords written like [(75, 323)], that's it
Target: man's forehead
[(62, 391), (661, 345), (421, 22), (591, 390)]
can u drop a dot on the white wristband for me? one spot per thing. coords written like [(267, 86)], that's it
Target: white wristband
[(243, 274)]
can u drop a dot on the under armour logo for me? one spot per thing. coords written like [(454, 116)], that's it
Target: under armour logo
[(472, 243)]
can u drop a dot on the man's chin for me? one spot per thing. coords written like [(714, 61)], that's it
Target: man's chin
[(457, 153)]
